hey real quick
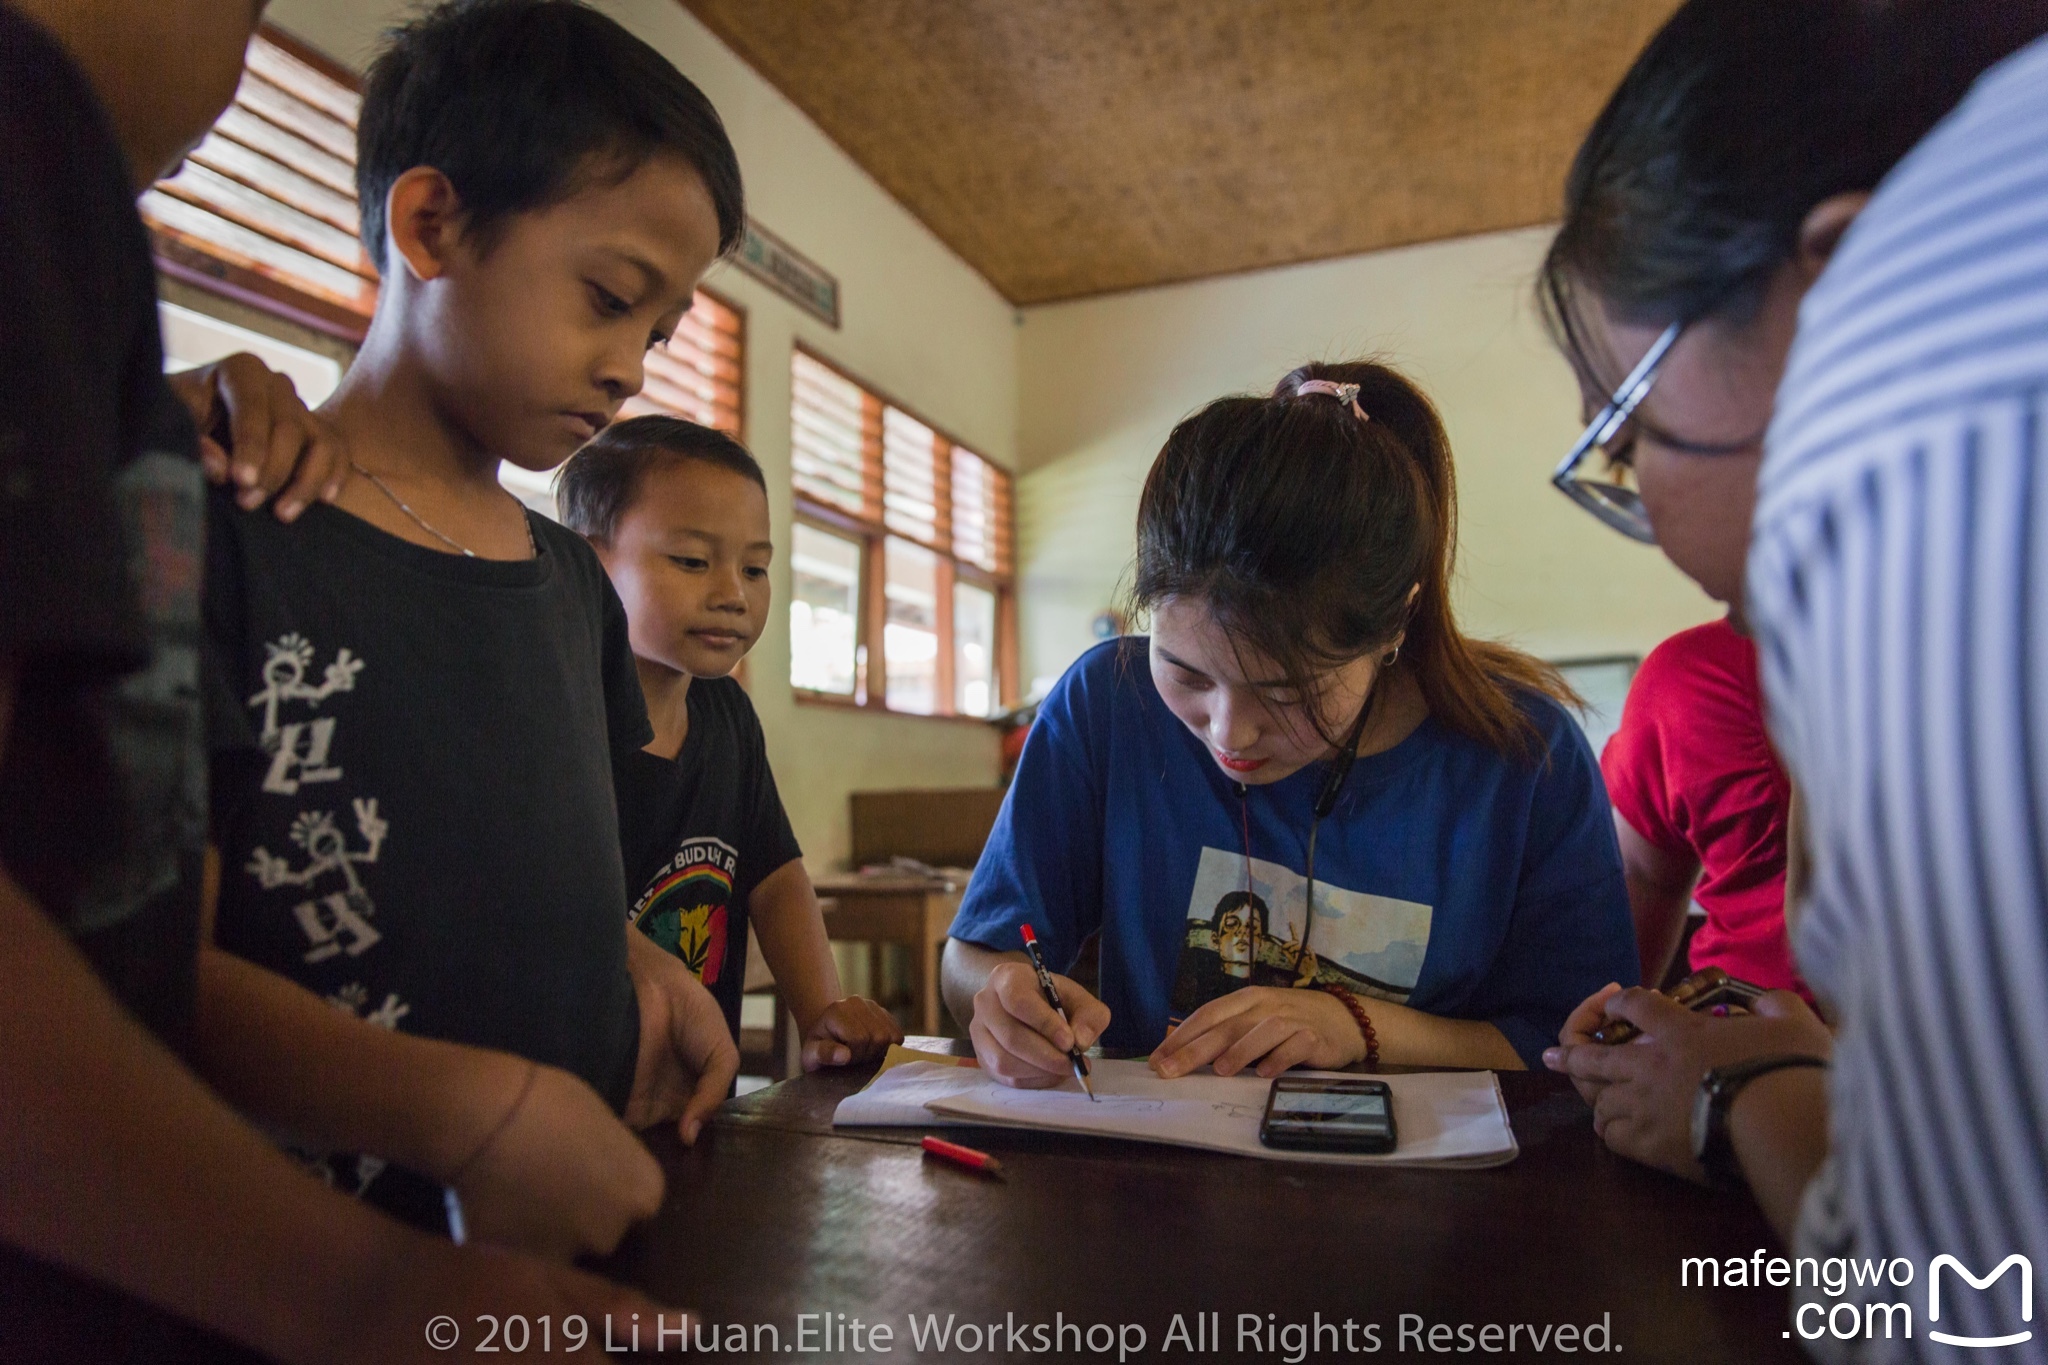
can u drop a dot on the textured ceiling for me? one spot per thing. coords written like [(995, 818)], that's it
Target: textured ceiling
[(1074, 147)]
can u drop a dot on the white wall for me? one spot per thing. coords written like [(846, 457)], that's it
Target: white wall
[(1104, 380), (918, 324)]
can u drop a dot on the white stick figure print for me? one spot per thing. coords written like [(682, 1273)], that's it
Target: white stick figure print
[(337, 922), (298, 749)]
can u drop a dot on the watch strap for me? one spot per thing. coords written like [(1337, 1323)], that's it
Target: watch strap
[(1719, 1088)]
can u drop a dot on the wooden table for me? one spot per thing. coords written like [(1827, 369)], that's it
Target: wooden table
[(913, 911), (773, 1215)]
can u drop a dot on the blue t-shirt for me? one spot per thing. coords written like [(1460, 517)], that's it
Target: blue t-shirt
[(1449, 877)]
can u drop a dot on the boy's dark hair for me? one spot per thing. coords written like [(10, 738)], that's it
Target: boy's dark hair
[(598, 485), (1734, 122), (523, 103)]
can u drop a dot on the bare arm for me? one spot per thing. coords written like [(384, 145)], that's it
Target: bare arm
[(1410, 1037), (1779, 1128), (784, 909), (1659, 893), (964, 970), (286, 1058), (539, 1159), (836, 1029), (122, 1166), (1277, 1027)]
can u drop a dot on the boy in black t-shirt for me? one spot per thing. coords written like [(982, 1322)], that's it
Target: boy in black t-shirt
[(132, 1192), (679, 515), (421, 692)]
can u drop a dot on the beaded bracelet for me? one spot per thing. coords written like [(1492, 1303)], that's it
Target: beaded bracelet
[(1357, 1008)]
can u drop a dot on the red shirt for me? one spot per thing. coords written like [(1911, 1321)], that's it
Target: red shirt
[(1692, 771)]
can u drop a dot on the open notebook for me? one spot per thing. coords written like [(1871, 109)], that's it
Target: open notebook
[(1444, 1118)]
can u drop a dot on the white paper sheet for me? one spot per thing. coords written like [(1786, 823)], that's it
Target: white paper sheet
[(1442, 1118)]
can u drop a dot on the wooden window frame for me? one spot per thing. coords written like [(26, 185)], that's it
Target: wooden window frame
[(203, 270), (873, 533), (740, 338)]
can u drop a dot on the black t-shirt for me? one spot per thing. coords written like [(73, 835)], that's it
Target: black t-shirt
[(412, 789), (701, 831), (102, 796)]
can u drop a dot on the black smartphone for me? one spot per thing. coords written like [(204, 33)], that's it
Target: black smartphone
[(1329, 1114)]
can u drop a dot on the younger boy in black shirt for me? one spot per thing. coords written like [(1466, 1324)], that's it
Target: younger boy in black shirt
[(679, 515)]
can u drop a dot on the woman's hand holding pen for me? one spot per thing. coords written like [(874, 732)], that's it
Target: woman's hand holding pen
[(1020, 1039), (1272, 1027)]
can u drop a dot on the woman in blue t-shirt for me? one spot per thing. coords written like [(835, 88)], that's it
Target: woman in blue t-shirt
[(1441, 894)]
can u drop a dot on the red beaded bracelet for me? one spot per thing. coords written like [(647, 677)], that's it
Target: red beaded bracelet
[(1357, 1008)]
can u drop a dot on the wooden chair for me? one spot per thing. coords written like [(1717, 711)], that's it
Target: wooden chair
[(940, 828)]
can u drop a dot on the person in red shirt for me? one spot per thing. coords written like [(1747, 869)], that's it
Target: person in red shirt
[(1700, 808)]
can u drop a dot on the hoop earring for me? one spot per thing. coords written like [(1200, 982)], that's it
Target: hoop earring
[(1392, 656)]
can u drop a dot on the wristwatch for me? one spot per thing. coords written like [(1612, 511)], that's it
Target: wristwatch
[(1711, 1146)]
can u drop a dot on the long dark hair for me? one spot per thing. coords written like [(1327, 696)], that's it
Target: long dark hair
[(1303, 529), (1739, 117)]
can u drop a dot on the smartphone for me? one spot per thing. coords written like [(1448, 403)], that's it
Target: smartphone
[(1329, 1114), (1707, 991)]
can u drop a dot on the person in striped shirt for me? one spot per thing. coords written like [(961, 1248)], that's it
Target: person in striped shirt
[(1890, 582)]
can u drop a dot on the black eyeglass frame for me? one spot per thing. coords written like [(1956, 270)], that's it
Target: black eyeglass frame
[(1614, 505)]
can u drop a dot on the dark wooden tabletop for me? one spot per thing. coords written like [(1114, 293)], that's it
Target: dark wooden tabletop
[(774, 1214)]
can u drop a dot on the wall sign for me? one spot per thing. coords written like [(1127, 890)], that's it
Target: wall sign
[(789, 273)]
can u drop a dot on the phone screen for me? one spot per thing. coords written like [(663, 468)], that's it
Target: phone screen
[(1352, 1111)]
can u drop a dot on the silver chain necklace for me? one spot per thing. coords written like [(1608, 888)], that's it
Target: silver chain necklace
[(532, 550)]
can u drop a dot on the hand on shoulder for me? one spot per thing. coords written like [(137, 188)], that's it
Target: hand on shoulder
[(255, 433)]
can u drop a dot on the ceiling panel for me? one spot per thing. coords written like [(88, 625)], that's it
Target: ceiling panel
[(1074, 147)]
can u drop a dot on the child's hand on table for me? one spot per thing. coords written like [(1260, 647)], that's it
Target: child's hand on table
[(687, 1058), (275, 448), (557, 1175), (1021, 1040), (1274, 1027), (850, 1030)]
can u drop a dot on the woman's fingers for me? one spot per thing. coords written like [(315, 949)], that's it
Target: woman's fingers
[(1590, 1014), (1196, 1046), (1298, 1049), (1014, 988), (1199, 1024), (998, 1061), (1017, 1051), (1261, 1037)]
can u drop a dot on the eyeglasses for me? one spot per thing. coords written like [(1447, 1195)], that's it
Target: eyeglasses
[(1612, 501)]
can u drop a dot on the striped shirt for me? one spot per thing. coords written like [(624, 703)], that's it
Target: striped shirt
[(1898, 581)]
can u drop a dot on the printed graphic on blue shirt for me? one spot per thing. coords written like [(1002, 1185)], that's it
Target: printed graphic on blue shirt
[(686, 905), (1249, 925)]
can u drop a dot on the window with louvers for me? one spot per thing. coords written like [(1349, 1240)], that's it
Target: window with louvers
[(928, 524), (696, 374), (264, 209)]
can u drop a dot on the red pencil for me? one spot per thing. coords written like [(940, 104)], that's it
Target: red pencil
[(964, 1156)]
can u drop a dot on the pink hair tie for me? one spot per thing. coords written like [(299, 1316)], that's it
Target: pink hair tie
[(1343, 393)]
